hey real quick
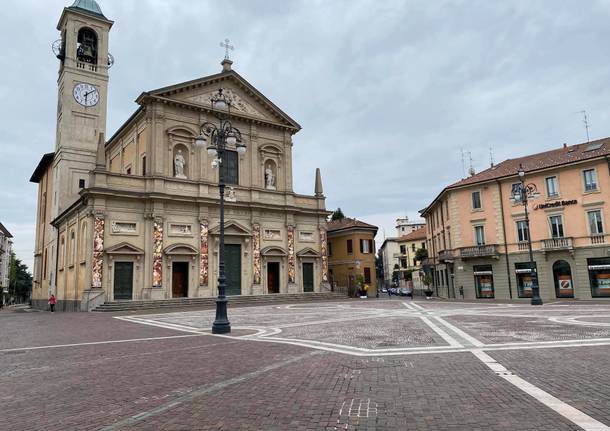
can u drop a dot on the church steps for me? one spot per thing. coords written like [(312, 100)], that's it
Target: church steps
[(210, 302)]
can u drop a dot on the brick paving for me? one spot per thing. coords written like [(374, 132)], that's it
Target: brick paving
[(176, 380)]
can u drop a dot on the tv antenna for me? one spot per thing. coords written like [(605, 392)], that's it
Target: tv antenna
[(491, 156), (471, 170), (585, 120)]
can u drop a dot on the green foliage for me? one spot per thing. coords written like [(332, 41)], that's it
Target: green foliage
[(421, 254), (337, 215), (427, 280), (20, 280)]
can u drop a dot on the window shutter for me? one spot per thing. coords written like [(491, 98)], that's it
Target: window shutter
[(361, 246), (371, 246)]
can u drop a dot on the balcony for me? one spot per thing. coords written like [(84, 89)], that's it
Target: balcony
[(445, 255), (598, 239), (490, 250), (558, 244)]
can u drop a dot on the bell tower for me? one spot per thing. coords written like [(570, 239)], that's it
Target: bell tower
[(82, 89)]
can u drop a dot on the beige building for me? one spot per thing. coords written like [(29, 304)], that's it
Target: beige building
[(6, 245), (407, 248), (136, 216), (478, 235)]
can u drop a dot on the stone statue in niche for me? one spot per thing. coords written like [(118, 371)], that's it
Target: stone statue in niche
[(179, 163), (269, 178)]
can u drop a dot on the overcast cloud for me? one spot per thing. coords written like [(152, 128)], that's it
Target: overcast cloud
[(387, 92)]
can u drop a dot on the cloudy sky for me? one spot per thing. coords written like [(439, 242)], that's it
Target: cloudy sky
[(387, 92)]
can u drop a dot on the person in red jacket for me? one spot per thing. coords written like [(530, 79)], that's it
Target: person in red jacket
[(52, 302)]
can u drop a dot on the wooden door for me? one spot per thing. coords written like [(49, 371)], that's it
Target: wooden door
[(273, 277), (123, 280), (180, 276), (233, 269), (308, 277)]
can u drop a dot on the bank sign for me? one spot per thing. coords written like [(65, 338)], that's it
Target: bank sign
[(555, 204)]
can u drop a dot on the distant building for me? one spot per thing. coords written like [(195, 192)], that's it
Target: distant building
[(5, 259), (478, 237), (389, 252), (351, 252), (407, 248)]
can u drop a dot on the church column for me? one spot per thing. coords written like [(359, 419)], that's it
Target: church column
[(291, 261), (203, 253), (256, 257), (157, 252), (97, 267), (323, 252)]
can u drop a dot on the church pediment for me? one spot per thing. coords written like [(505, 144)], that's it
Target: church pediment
[(246, 99), (124, 248), (273, 250), (232, 228), (180, 249), (308, 252)]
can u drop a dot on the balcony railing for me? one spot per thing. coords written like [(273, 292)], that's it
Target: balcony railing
[(598, 239), (444, 255), (523, 245), (490, 250), (564, 243)]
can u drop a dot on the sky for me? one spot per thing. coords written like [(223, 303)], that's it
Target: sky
[(389, 93)]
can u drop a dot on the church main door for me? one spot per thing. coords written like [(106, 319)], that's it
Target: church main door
[(233, 269), (123, 280), (307, 277), (180, 276), (273, 277)]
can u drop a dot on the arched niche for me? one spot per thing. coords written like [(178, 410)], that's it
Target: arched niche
[(181, 140), (271, 156)]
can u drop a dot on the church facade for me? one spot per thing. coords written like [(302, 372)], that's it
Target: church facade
[(136, 216)]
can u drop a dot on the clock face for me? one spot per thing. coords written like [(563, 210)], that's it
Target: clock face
[(86, 94)]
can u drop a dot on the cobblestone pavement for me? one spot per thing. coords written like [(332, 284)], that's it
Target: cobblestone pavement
[(354, 365)]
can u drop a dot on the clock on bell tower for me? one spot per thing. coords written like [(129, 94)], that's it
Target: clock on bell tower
[(82, 97)]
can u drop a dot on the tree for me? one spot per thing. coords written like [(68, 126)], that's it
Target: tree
[(337, 215), (20, 280), (421, 254), (396, 274)]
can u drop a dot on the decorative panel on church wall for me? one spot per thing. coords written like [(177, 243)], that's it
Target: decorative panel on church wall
[(291, 256), (256, 252), (203, 256), (324, 255), (98, 252), (157, 253)]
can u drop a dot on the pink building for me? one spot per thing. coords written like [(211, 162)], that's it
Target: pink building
[(478, 239)]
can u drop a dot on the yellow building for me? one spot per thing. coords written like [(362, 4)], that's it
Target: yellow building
[(351, 253)]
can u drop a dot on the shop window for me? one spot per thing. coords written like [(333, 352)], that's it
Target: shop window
[(367, 275), (562, 273), (524, 279), (483, 281), (599, 276)]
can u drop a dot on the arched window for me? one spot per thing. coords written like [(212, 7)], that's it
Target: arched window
[(72, 246), (562, 273), (62, 252), (86, 47)]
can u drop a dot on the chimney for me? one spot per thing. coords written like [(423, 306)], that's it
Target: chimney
[(565, 145)]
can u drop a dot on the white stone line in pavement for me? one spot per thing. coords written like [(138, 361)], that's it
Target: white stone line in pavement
[(165, 325), (573, 320), (448, 339), (574, 415), (95, 343), (469, 338)]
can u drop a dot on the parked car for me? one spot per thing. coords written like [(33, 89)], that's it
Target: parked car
[(393, 291), (384, 290), (403, 291)]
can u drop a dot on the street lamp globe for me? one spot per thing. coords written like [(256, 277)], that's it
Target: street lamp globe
[(241, 149), (200, 140), (521, 173), (231, 138), (220, 103), (212, 151)]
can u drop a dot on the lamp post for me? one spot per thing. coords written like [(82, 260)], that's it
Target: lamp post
[(220, 136), (522, 195)]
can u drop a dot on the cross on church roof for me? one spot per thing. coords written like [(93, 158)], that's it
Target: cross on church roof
[(227, 47)]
